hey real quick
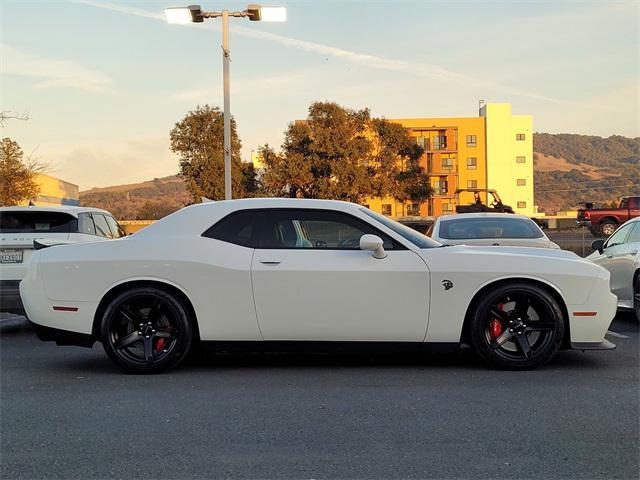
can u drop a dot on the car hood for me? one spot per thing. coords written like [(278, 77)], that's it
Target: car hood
[(517, 251)]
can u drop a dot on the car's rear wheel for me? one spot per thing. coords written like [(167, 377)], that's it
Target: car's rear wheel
[(517, 326), (607, 228), (146, 330), (636, 296)]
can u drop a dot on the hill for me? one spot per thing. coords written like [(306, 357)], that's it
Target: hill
[(570, 168), (139, 201)]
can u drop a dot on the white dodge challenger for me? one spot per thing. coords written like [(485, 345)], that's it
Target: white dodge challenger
[(271, 273)]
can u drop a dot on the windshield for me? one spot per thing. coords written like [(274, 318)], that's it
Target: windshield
[(475, 228), (407, 233)]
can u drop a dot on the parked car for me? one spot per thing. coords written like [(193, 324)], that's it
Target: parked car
[(620, 254), (604, 221), (273, 272), (21, 226), (489, 229)]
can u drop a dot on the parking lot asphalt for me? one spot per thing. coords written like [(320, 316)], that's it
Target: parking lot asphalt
[(66, 412)]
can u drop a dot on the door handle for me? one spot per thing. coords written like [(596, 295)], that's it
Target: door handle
[(633, 252), (270, 261), (610, 256)]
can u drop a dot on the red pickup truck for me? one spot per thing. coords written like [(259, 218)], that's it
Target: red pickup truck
[(604, 221)]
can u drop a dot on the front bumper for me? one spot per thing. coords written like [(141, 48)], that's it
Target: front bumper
[(603, 345)]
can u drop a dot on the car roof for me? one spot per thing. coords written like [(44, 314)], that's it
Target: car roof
[(70, 209), (463, 216), (276, 202)]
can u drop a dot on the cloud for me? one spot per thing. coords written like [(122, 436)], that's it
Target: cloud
[(419, 69), (52, 73)]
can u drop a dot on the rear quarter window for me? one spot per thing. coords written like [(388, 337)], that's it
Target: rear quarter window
[(37, 222), (239, 228)]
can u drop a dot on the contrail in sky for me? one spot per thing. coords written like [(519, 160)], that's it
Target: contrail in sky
[(403, 66)]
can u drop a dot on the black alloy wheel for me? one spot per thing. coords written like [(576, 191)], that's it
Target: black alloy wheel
[(517, 326), (636, 296), (146, 330)]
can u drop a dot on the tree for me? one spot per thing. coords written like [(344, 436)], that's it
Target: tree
[(198, 140), (344, 154), (17, 175), (155, 210)]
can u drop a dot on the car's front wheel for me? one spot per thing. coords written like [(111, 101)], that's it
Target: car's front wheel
[(146, 330), (517, 326)]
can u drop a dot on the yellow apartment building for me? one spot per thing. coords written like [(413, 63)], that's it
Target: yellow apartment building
[(54, 191), (493, 150)]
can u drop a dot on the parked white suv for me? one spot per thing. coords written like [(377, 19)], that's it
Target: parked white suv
[(20, 226)]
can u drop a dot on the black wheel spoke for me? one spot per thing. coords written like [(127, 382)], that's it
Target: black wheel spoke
[(541, 326), (164, 334), (154, 311), (148, 350), (499, 341), (129, 315), (127, 340), (499, 314), (522, 306), (523, 344)]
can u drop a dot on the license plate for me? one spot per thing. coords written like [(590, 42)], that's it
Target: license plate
[(10, 256)]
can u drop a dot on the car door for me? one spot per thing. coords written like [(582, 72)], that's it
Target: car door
[(311, 281), (616, 257)]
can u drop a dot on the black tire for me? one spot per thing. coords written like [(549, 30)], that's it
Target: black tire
[(636, 296), (607, 227), (146, 330), (529, 329)]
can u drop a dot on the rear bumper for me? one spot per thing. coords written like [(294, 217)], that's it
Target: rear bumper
[(10, 300), (62, 337)]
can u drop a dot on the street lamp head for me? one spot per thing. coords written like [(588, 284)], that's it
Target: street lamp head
[(182, 15), (266, 13)]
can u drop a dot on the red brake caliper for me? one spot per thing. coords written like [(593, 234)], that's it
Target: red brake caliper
[(160, 344), (495, 327)]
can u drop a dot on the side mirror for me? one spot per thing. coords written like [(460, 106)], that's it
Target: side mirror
[(374, 244), (598, 245)]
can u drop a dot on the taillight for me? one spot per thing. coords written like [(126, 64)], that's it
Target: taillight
[(587, 216)]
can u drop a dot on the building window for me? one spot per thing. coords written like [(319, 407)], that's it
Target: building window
[(471, 140), (472, 184), (413, 209), (386, 209), (441, 186), (447, 163), (521, 159), (522, 204), (472, 163), (440, 142), (521, 182), (520, 136), (422, 141), (447, 208)]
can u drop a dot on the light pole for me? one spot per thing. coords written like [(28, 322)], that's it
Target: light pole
[(194, 14)]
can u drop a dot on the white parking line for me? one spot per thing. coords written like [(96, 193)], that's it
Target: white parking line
[(616, 335)]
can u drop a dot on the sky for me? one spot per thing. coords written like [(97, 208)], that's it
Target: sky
[(105, 81)]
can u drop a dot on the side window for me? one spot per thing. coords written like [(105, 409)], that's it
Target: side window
[(116, 230), (619, 236), (317, 229), (85, 224), (239, 228), (102, 228), (634, 237)]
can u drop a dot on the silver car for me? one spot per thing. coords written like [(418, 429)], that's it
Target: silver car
[(620, 254), (489, 229)]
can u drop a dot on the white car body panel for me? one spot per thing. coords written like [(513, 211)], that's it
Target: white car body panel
[(334, 295), (623, 262)]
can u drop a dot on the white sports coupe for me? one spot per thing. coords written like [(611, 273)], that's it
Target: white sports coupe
[(270, 272)]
